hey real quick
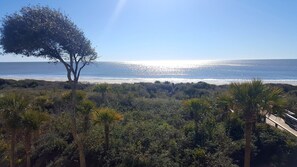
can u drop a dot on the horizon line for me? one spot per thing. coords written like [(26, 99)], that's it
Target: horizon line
[(160, 60)]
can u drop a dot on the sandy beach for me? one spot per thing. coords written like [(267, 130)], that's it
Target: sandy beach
[(84, 79)]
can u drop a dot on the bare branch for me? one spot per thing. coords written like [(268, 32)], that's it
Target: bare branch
[(84, 64)]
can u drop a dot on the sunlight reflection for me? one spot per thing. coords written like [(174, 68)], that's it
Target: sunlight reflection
[(173, 63)]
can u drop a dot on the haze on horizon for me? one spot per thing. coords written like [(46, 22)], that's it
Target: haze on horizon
[(138, 30)]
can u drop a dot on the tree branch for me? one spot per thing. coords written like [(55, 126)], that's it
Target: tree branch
[(84, 64), (67, 66)]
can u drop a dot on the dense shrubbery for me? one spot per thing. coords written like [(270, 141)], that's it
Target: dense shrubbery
[(158, 128)]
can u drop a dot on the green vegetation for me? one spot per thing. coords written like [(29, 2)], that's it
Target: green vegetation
[(143, 124), (134, 125), (44, 32), (106, 116), (252, 99)]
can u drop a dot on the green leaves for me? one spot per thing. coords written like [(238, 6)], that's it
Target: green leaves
[(106, 116), (12, 105), (197, 108), (101, 88), (85, 107), (254, 97), (33, 119), (44, 32), (17, 112)]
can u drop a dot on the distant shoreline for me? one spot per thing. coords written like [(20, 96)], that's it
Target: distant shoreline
[(98, 80), (213, 72)]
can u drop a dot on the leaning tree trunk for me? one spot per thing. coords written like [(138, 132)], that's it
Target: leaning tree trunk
[(248, 138), (12, 148), (77, 138)]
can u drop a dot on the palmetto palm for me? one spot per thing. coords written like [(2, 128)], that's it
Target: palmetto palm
[(31, 122), (106, 116), (102, 88), (224, 105), (252, 99), (198, 110), (12, 106), (85, 107)]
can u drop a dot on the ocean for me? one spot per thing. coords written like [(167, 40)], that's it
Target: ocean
[(217, 72)]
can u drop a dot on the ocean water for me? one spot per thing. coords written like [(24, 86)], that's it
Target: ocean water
[(219, 72)]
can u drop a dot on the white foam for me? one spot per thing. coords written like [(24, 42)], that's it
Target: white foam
[(86, 79)]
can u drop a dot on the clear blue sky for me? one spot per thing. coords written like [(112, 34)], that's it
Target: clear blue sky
[(123, 30)]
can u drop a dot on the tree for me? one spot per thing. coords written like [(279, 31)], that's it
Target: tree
[(224, 105), (44, 32), (85, 107), (251, 99), (31, 122), (106, 116), (11, 107), (198, 109), (101, 88)]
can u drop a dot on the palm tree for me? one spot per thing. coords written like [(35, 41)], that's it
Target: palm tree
[(31, 122), (198, 109), (85, 107), (11, 107), (71, 100), (251, 99), (224, 104), (106, 116), (103, 89)]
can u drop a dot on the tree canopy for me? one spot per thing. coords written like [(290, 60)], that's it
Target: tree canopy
[(252, 99), (158, 128), (45, 32)]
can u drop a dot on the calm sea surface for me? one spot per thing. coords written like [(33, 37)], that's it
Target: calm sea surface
[(283, 71)]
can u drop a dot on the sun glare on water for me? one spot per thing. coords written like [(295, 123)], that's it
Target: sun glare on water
[(168, 68), (173, 63)]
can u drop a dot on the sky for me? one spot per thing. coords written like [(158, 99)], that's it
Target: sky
[(139, 30)]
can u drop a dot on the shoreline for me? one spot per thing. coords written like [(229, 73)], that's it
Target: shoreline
[(98, 80)]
